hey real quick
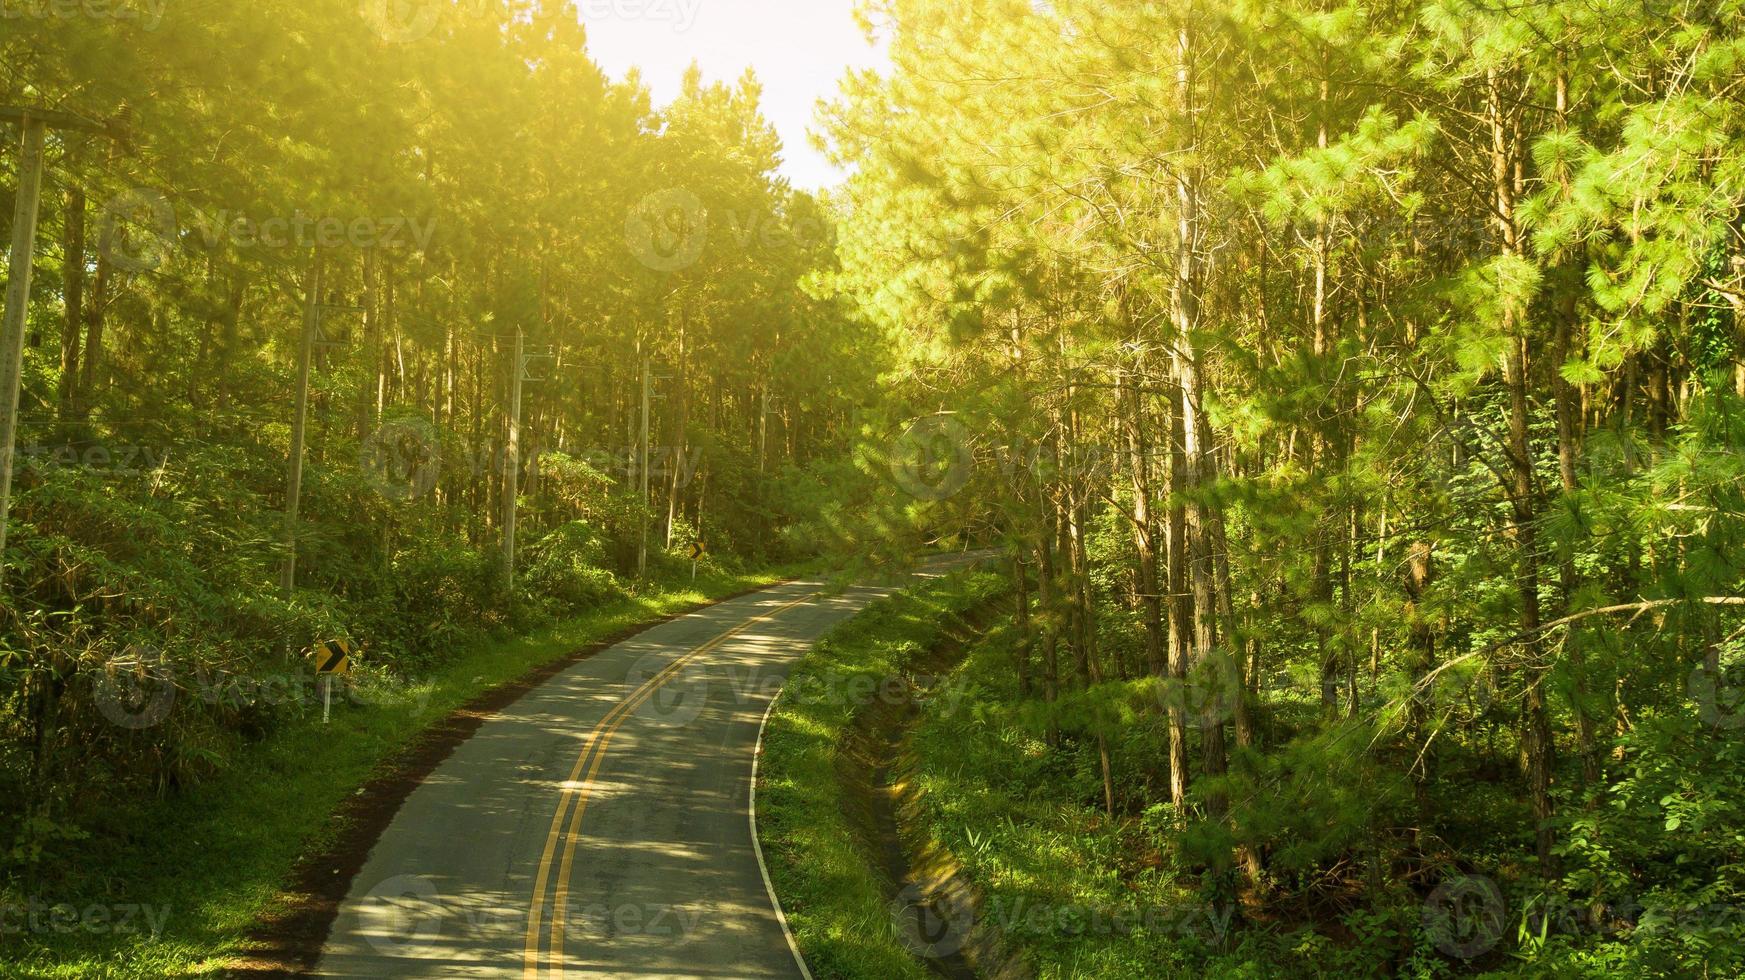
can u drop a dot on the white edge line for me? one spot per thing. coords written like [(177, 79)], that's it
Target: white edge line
[(757, 847)]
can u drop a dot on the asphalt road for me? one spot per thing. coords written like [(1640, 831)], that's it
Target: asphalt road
[(600, 826)]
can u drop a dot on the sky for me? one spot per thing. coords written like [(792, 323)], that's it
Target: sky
[(799, 48)]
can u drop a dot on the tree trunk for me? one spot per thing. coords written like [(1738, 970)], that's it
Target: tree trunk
[(73, 298), (1021, 650), (94, 323), (1049, 583), (1568, 282), (1536, 743), (1145, 534)]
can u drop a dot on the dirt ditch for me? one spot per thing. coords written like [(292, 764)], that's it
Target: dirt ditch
[(934, 907)]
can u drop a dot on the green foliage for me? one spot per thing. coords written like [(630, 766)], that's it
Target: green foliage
[(416, 199), (833, 898), (1402, 342), (568, 566), (210, 860)]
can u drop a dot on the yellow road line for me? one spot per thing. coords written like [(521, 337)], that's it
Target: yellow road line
[(594, 748), (530, 969), (561, 901)]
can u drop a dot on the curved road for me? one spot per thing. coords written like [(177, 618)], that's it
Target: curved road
[(600, 826)]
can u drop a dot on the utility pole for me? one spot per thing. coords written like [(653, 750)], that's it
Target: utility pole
[(512, 462), (17, 299), (642, 467), (294, 483), (35, 124)]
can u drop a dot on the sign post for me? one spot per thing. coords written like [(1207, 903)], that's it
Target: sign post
[(331, 658), (698, 550)]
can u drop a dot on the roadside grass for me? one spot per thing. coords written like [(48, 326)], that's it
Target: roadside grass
[(1071, 894), (209, 862), (829, 888)]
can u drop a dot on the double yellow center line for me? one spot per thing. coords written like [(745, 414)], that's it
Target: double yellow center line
[(591, 758)]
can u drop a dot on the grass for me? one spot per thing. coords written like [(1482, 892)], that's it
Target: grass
[(832, 894), (207, 863), (1075, 894), (1072, 893)]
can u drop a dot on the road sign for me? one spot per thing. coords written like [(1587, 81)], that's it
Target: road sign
[(333, 657), (698, 550)]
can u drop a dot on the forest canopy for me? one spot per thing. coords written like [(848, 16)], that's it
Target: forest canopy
[(1356, 388), (1353, 392), (479, 270)]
